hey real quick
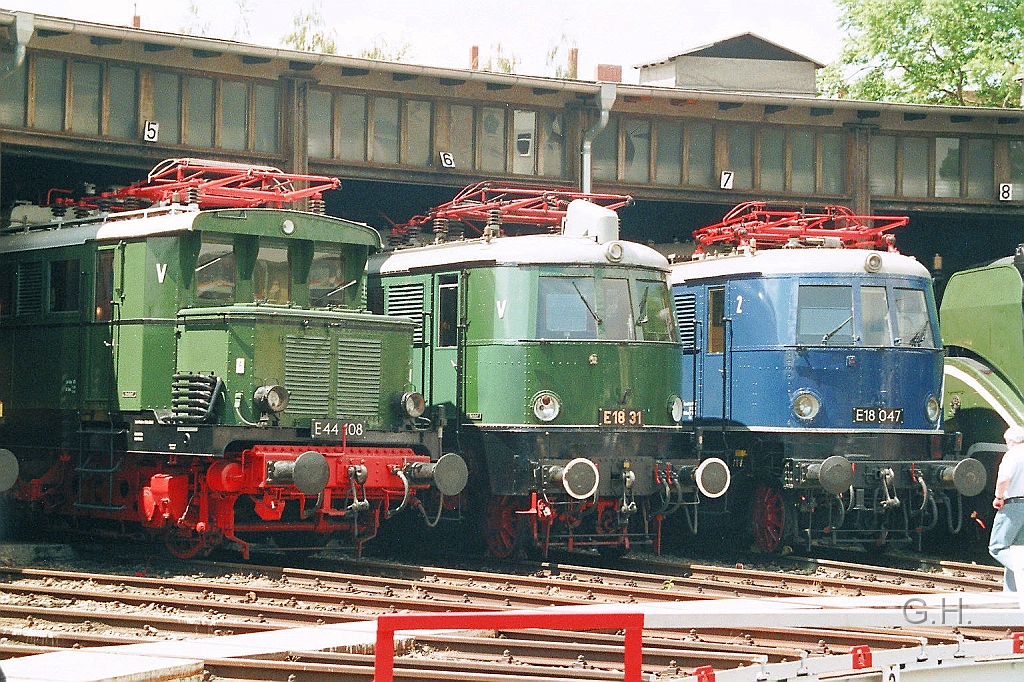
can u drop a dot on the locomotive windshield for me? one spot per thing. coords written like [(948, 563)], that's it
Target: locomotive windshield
[(610, 309), (885, 316), (912, 318), (824, 315), (215, 273), (327, 278), (272, 275)]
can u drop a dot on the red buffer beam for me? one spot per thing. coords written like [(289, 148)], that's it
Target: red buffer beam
[(754, 222)]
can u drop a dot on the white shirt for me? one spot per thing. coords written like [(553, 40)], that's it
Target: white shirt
[(1011, 468)]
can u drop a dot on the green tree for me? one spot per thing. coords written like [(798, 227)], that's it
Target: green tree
[(952, 52), (311, 33), (499, 62), (383, 50)]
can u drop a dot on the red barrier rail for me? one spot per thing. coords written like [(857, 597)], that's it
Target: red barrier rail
[(388, 624)]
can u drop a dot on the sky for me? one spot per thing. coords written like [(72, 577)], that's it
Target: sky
[(442, 32)]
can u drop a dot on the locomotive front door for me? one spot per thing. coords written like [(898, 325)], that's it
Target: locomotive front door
[(713, 377), (445, 332)]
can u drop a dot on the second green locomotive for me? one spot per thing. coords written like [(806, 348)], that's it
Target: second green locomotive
[(554, 361)]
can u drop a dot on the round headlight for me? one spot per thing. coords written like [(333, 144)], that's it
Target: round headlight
[(546, 406), (933, 409), (410, 404), (271, 398), (806, 406), (675, 408)]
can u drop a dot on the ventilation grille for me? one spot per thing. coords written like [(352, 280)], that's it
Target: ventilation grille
[(407, 300), (307, 371), (358, 378), (30, 289), (686, 306)]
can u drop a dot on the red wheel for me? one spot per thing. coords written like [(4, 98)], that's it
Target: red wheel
[(768, 517), (502, 526)]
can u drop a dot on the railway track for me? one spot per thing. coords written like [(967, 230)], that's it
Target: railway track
[(46, 609)]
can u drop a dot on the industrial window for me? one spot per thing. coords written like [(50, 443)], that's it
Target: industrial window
[(267, 118), (802, 160), (566, 308), (700, 155), (824, 315), (637, 153), (419, 118), (49, 93), (64, 276), (234, 108), (200, 112), (980, 164), (215, 273), (741, 156), (552, 145), (167, 106), (1017, 167), (492, 139), (668, 169), (7, 289), (385, 130), (272, 276), (524, 130), (605, 153), (123, 104), (461, 137), (448, 311), (12, 95), (327, 285), (716, 320), (882, 165), (86, 79), (915, 166), (319, 124), (947, 167), (104, 294), (773, 159), (833, 164), (876, 329), (352, 145), (912, 320)]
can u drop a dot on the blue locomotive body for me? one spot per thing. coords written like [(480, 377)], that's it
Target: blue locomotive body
[(818, 373)]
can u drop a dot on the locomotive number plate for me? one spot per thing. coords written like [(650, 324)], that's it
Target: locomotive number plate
[(617, 416), (878, 415), (336, 429)]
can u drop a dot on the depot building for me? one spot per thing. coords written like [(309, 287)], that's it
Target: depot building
[(729, 122)]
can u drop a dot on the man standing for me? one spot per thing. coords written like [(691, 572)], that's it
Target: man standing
[(1006, 544)]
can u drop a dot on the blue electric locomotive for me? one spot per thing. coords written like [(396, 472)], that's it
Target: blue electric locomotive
[(817, 371)]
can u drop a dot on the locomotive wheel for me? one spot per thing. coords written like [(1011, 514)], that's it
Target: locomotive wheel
[(186, 543), (768, 517), (503, 528)]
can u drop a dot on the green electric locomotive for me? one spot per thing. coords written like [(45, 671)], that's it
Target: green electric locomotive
[(210, 375), (554, 361)]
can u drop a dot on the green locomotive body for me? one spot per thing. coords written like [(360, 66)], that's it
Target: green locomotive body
[(212, 375), (554, 361)]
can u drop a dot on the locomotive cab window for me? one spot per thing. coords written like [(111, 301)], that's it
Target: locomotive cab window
[(617, 311), (215, 273), (272, 276), (716, 320), (653, 320), (448, 311), (64, 275), (566, 308), (327, 285), (876, 330), (915, 327), (824, 316)]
